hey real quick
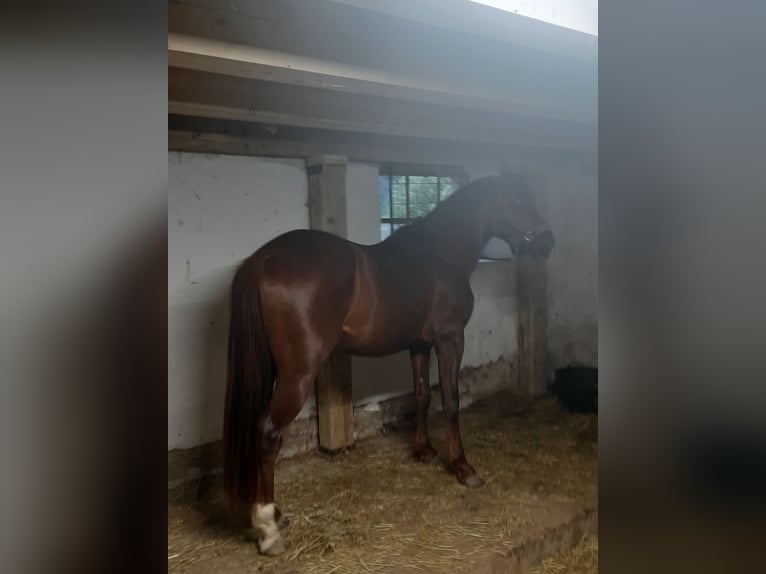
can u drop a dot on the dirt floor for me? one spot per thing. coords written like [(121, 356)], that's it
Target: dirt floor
[(376, 509)]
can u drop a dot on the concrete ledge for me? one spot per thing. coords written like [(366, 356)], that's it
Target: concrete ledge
[(548, 542)]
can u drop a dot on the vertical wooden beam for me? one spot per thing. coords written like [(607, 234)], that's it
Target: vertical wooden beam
[(327, 212), (533, 324), (334, 406)]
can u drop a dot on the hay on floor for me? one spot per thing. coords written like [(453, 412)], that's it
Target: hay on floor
[(377, 509), (582, 559)]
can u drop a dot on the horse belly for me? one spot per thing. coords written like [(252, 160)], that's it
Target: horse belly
[(374, 339), (385, 316)]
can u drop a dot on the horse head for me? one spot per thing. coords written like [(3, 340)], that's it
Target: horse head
[(514, 217)]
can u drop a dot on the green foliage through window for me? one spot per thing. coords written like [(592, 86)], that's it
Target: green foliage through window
[(406, 198)]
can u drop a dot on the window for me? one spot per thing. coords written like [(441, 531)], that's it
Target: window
[(406, 197)]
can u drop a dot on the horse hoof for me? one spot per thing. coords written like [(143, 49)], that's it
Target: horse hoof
[(270, 541), (474, 481), (272, 546)]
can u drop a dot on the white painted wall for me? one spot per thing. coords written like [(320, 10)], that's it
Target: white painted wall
[(572, 210), (566, 186), (222, 208)]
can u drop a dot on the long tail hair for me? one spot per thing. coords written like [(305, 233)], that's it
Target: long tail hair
[(249, 387)]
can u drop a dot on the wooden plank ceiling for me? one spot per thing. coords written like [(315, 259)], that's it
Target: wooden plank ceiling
[(375, 81)]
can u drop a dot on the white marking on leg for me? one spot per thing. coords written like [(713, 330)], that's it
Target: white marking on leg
[(269, 539)]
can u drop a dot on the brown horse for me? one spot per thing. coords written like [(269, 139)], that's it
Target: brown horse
[(306, 293)]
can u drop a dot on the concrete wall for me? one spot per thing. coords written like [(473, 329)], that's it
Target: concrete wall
[(572, 209), (566, 186), (222, 208)]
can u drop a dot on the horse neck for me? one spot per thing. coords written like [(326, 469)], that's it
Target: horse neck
[(457, 233)]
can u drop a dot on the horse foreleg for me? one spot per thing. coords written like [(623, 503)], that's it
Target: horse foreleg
[(450, 353), (290, 393), (420, 374)]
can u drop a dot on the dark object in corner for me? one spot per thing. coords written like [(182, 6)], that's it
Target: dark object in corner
[(577, 388)]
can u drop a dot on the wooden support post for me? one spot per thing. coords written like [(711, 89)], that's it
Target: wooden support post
[(327, 211), (335, 409), (533, 325)]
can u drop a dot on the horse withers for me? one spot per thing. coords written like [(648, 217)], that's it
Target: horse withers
[(306, 293)]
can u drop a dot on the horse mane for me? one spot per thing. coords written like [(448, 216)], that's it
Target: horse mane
[(455, 210)]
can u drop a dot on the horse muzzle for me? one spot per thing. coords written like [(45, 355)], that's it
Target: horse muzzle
[(537, 244)]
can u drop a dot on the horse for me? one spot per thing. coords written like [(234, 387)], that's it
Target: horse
[(307, 293)]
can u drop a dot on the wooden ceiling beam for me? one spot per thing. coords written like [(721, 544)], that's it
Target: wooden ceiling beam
[(245, 61), (272, 118), (217, 143), (203, 95), (216, 136)]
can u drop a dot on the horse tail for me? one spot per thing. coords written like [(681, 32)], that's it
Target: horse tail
[(250, 382)]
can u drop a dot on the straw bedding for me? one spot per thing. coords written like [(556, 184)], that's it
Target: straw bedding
[(376, 509), (582, 559)]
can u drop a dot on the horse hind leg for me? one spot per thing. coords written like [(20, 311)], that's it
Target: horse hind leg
[(290, 393), (270, 541), (301, 339)]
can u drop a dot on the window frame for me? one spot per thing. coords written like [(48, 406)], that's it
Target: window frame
[(457, 173)]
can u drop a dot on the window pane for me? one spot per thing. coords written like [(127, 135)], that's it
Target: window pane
[(447, 186), (385, 206), (423, 195), (385, 231), (398, 195)]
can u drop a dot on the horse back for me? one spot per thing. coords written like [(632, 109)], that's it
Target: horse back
[(307, 257)]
